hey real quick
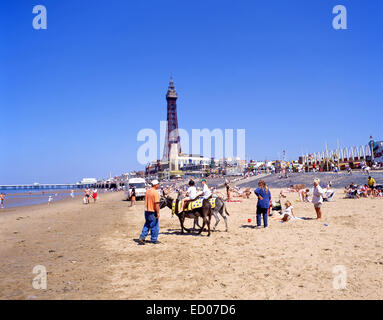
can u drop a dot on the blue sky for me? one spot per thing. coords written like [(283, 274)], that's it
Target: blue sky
[(73, 97)]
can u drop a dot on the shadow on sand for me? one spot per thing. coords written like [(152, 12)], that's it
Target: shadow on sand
[(248, 226), (178, 232), (146, 241)]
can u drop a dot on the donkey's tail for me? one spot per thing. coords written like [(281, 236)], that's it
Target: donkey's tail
[(227, 212)]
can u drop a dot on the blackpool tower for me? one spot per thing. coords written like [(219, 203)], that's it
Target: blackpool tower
[(172, 136)]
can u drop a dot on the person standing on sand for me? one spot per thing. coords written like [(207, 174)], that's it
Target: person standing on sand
[(133, 197), (371, 182), (227, 185), (152, 214), (372, 185), (94, 194), (2, 198), (264, 198), (87, 194), (317, 199)]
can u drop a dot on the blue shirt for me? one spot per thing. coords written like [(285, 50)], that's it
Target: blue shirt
[(265, 202)]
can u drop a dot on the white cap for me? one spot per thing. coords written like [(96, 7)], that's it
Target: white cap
[(155, 182)]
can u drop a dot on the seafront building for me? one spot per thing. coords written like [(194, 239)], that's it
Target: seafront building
[(88, 181), (353, 157)]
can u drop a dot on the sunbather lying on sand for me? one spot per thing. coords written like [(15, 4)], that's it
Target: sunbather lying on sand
[(239, 193), (295, 187)]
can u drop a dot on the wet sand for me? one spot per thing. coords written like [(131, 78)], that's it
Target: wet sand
[(90, 253)]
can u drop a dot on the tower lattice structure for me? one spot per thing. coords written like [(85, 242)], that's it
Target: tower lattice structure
[(172, 134)]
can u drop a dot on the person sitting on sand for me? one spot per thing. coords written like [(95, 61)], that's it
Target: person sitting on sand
[(288, 213), (304, 195), (351, 191), (362, 191), (246, 193)]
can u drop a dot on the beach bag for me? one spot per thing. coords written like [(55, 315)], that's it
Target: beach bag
[(277, 206), (84, 200)]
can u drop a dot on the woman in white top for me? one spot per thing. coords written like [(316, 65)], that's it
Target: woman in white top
[(288, 213), (317, 198)]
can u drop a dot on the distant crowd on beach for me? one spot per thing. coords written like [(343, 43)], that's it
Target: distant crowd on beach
[(93, 193), (369, 190)]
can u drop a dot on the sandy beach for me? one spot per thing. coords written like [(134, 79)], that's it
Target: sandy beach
[(89, 252)]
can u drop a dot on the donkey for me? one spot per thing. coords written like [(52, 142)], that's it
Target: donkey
[(205, 212), (220, 207)]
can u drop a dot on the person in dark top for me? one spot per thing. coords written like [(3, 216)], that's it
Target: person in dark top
[(227, 189), (133, 196), (264, 198)]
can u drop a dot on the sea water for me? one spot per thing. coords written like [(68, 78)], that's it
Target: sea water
[(25, 197)]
